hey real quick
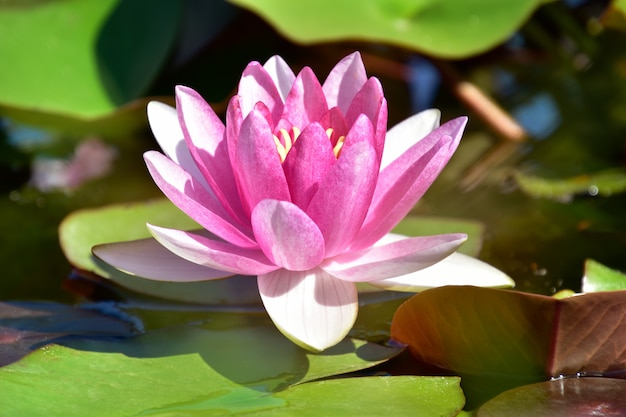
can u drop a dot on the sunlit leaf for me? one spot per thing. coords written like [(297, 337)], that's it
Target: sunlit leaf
[(605, 183), (399, 396), (432, 27), (571, 397), (601, 278), (183, 368), (514, 337), (85, 228)]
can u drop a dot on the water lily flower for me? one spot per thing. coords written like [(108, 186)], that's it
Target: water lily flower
[(300, 187)]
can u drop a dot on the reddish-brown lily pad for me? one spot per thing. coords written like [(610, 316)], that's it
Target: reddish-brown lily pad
[(570, 397), (489, 332)]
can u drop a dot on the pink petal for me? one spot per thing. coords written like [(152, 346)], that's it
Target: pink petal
[(204, 134), (193, 199), (256, 85), (234, 118), (307, 163), (257, 163), (344, 81), (345, 193), (456, 269), (202, 249), (166, 129), (287, 236), (311, 308), (282, 75), (393, 259), (407, 133), (371, 102), (381, 127), (406, 179), (306, 102), (147, 258)]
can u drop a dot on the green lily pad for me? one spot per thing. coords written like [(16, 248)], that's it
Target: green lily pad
[(81, 59), (602, 278), (83, 229), (432, 27), (175, 369), (604, 183), (401, 395)]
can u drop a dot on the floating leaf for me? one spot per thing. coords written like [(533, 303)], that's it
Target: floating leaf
[(570, 397), (513, 337), (219, 369), (605, 183), (432, 27), (601, 278), (399, 396)]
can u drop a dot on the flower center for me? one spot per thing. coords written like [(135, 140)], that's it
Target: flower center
[(290, 137)]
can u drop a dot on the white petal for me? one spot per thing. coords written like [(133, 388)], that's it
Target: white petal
[(147, 258), (403, 256), (407, 133), (311, 308), (456, 269), (166, 129)]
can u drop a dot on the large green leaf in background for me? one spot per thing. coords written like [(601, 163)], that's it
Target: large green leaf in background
[(443, 28), (81, 58)]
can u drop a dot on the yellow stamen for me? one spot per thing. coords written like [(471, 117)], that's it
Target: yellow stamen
[(282, 152), (287, 141), (338, 146), (289, 138)]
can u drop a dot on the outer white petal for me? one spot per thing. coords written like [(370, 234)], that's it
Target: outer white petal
[(311, 308), (456, 269), (407, 133), (282, 75), (166, 129), (147, 258)]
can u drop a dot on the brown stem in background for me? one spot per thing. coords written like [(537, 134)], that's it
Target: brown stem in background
[(473, 97), (484, 107)]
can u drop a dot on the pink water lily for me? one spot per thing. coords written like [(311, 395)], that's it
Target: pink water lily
[(300, 188)]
